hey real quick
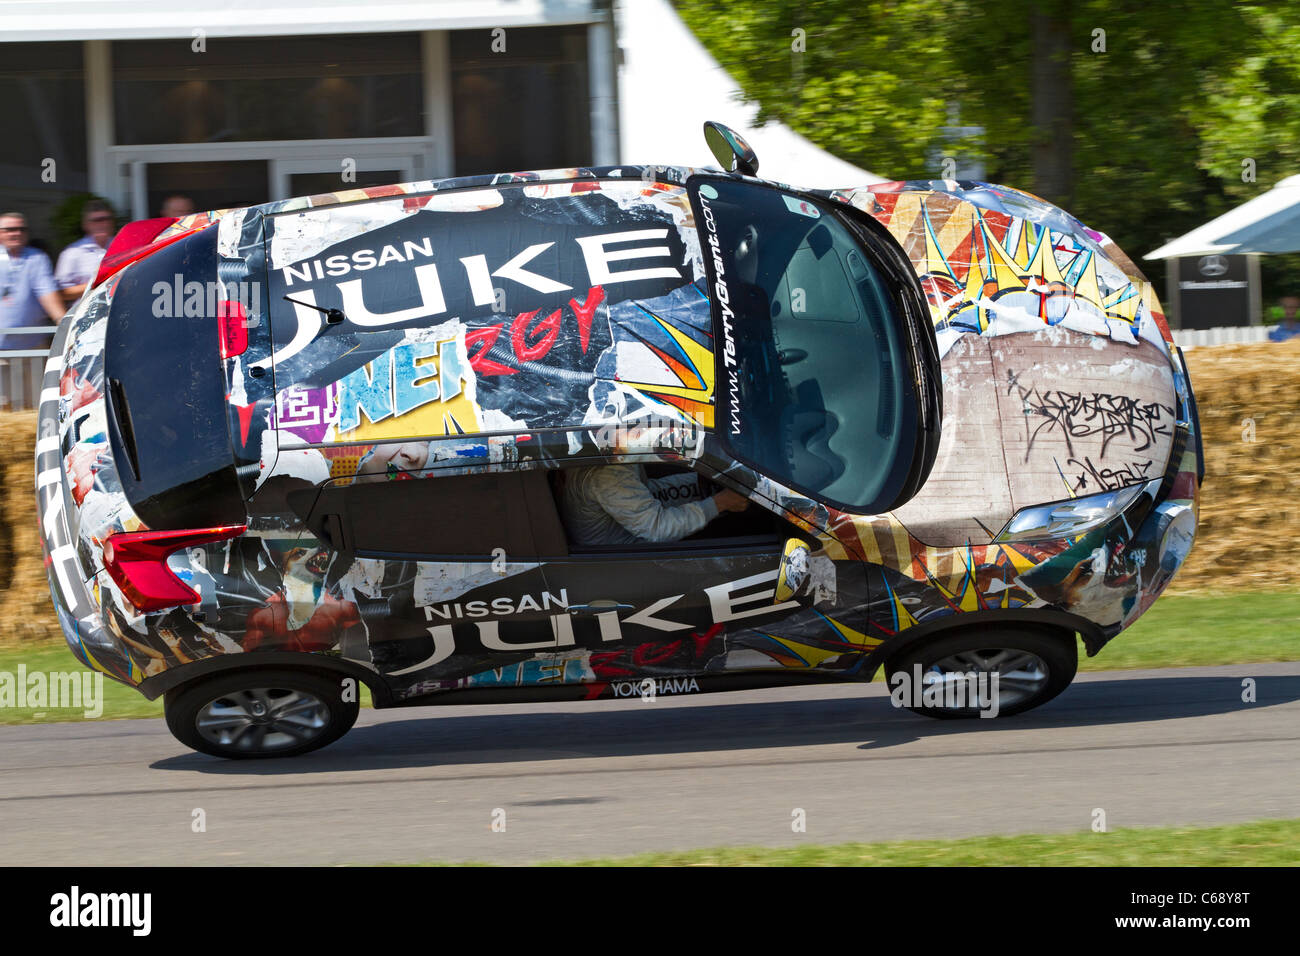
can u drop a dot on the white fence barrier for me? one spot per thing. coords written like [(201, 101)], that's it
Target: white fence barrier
[(21, 370), (20, 380), (1228, 335)]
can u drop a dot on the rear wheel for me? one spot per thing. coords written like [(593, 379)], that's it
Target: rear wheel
[(1001, 671), (261, 713)]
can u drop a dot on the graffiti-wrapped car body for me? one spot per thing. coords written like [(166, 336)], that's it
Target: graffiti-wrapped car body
[(289, 449)]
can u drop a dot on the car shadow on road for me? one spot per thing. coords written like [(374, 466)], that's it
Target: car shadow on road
[(460, 737)]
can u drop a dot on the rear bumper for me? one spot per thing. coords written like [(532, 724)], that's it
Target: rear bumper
[(74, 602)]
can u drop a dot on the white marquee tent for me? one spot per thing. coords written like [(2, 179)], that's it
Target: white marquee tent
[(1268, 223), (669, 85)]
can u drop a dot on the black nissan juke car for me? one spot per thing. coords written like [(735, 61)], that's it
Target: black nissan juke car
[(291, 449)]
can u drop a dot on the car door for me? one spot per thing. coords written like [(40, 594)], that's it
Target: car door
[(665, 610), (444, 572)]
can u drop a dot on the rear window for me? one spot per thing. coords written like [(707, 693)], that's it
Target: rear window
[(476, 517), (166, 390)]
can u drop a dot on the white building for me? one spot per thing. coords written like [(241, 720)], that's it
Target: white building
[(238, 102), (233, 102)]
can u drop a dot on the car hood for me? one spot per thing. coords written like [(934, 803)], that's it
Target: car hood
[(1057, 361)]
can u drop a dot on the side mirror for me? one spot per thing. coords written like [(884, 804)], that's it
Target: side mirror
[(730, 149), (794, 578)]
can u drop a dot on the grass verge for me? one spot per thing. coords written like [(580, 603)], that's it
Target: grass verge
[(1262, 843), (118, 700), (1193, 630)]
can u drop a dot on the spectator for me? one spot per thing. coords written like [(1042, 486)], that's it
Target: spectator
[(177, 207), (1289, 327), (28, 292), (80, 261)]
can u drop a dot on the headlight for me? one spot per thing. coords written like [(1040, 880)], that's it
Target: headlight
[(1066, 519)]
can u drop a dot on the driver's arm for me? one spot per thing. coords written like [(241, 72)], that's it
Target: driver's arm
[(686, 486), (619, 490)]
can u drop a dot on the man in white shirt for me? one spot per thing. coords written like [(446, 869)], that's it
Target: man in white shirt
[(79, 263)]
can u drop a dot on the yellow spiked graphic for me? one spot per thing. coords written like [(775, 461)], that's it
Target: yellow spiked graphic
[(1018, 561), (1124, 303), (854, 637), (1023, 238), (903, 618), (1043, 263), (975, 278), (1005, 270), (968, 599), (699, 355), (1085, 284)]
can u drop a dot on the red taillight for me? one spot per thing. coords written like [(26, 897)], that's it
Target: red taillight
[(231, 318), (134, 241), (137, 561)]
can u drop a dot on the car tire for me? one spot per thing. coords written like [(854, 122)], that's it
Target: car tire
[(1033, 666), (250, 714)]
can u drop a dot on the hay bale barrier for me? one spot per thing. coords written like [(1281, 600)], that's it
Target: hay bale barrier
[(1249, 535), (26, 614)]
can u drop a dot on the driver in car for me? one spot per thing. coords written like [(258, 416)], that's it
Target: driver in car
[(619, 504)]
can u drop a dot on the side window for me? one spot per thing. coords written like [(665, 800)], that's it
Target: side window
[(468, 517), (583, 516)]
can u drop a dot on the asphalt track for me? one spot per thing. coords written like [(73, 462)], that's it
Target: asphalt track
[(1158, 747)]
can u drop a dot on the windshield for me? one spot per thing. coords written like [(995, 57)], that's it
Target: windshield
[(814, 381)]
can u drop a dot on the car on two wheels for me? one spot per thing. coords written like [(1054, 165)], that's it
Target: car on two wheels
[(290, 450)]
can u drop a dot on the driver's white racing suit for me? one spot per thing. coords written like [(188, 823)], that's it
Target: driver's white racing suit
[(618, 504)]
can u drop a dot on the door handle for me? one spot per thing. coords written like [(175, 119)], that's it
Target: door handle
[(598, 607)]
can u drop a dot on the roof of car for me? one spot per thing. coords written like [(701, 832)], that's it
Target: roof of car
[(491, 304), (595, 354)]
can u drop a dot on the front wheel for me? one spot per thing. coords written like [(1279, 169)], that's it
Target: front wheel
[(998, 671), (262, 713)]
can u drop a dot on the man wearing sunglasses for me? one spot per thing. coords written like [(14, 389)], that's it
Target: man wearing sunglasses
[(80, 261), (28, 292)]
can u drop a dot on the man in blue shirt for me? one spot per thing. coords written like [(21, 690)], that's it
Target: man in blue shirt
[(28, 293), (1289, 327)]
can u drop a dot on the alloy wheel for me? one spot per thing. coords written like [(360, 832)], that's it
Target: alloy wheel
[(263, 719)]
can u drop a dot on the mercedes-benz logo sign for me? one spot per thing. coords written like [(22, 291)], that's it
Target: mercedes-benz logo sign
[(1212, 265)]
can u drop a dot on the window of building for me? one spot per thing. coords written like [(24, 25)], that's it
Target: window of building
[(223, 184), (44, 157), (525, 107), (312, 184), (268, 88)]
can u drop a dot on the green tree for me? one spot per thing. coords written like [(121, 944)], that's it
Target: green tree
[(1137, 117)]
